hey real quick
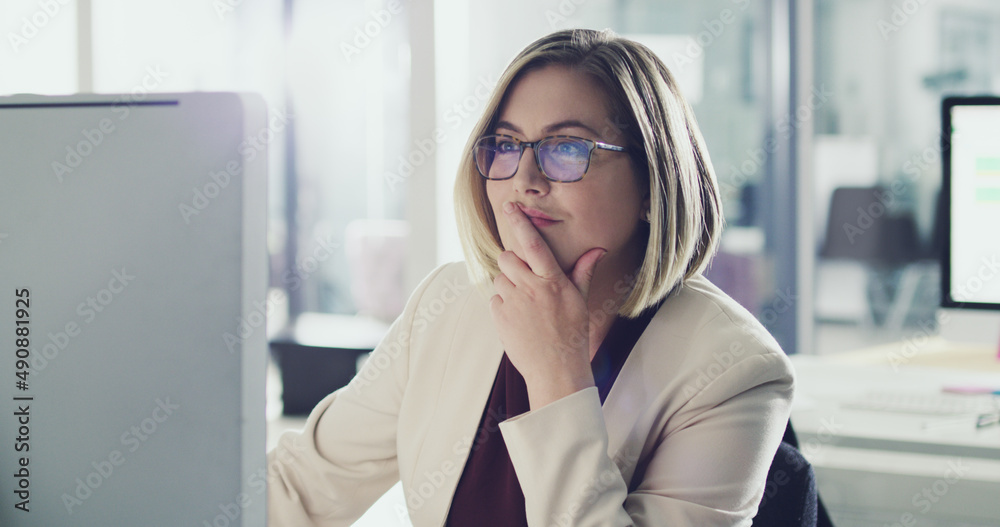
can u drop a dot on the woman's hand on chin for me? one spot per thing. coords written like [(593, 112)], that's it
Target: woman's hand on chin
[(541, 314)]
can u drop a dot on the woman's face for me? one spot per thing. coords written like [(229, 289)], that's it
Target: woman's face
[(605, 208)]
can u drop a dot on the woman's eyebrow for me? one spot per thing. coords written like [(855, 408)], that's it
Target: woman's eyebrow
[(509, 126), (568, 123)]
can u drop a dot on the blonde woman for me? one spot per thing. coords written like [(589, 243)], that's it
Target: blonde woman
[(576, 369)]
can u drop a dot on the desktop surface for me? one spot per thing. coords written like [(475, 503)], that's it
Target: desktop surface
[(886, 467)]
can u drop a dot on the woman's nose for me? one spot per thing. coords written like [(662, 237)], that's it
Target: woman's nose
[(529, 178)]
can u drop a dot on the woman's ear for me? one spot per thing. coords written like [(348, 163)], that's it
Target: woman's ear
[(645, 211)]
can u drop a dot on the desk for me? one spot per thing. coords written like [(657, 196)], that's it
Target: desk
[(882, 469)]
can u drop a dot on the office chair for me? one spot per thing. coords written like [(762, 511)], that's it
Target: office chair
[(860, 228), (790, 496), (863, 231)]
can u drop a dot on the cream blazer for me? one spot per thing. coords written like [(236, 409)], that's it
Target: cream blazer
[(685, 437)]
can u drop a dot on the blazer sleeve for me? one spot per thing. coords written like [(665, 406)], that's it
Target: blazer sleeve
[(708, 467), (344, 459)]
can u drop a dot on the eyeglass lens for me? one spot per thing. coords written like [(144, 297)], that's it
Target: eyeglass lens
[(562, 158)]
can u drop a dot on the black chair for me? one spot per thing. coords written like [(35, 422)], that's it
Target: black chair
[(862, 229), (318, 353), (790, 496)]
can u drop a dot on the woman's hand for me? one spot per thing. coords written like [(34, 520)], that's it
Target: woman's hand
[(541, 314)]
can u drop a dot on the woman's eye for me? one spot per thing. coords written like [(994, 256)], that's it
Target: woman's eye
[(570, 148), (507, 146)]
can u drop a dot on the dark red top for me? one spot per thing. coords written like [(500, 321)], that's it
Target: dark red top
[(488, 492)]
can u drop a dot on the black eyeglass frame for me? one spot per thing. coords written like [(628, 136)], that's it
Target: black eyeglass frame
[(591, 146)]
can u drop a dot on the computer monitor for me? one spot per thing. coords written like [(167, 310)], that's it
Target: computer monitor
[(970, 262), (133, 273)]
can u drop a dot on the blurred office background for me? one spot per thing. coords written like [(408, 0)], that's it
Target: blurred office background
[(821, 117), (803, 104)]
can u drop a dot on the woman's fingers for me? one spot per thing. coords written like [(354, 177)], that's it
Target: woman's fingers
[(583, 270), (503, 286), (537, 253)]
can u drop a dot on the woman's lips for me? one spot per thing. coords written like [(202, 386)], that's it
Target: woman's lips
[(537, 217), (541, 222)]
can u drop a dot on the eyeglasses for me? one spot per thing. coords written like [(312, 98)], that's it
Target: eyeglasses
[(561, 158)]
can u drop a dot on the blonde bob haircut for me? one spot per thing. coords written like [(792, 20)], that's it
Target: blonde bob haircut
[(664, 145)]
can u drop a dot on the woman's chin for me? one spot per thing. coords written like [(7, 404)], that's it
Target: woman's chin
[(567, 259)]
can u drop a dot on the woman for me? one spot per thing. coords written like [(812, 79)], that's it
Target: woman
[(576, 369)]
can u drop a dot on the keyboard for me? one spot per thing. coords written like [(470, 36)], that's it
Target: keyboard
[(924, 403)]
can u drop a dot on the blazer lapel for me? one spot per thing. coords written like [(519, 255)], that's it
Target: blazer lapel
[(473, 359)]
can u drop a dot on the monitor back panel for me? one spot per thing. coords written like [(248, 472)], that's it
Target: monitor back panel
[(132, 255)]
